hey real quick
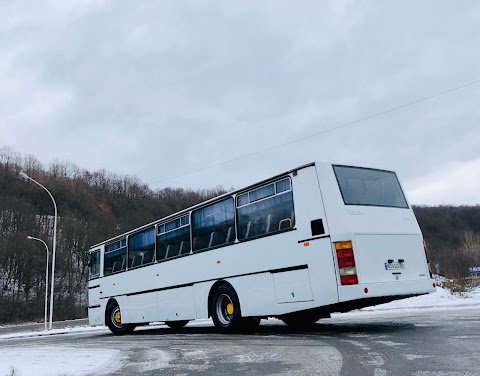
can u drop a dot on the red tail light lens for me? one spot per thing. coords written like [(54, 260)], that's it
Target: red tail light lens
[(349, 280), (344, 253), (345, 262)]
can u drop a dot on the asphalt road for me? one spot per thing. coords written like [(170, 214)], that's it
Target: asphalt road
[(433, 342)]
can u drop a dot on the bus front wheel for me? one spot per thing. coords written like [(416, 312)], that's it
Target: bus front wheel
[(225, 310), (113, 318)]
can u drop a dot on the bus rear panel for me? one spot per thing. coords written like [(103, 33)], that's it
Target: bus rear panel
[(376, 241)]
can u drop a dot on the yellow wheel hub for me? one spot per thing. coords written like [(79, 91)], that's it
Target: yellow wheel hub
[(229, 308), (117, 317)]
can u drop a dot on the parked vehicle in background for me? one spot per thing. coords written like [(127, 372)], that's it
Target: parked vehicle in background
[(318, 239)]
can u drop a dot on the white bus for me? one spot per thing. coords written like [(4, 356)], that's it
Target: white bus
[(318, 239)]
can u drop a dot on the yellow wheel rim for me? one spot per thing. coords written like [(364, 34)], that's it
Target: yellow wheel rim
[(117, 317), (229, 308)]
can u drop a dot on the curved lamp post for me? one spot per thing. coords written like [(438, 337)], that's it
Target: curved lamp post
[(46, 277), (25, 176)]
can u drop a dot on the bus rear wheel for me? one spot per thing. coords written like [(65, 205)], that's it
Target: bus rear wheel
[(225, 310), (301, 320), (176, 325), (113, 318)]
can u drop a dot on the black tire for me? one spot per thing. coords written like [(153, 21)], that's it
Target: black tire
[(113, 319), (301, 320), (250, 324), (176, 325), (225, 310)]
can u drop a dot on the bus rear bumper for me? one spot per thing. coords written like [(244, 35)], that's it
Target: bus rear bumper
[(396, 290)]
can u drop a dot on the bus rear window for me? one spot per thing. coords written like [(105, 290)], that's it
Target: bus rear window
[(370, 187)]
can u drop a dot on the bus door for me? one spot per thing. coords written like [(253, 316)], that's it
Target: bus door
[(95, 314)]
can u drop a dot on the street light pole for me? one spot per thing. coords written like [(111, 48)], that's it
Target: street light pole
[(25, 176), (46, 278)]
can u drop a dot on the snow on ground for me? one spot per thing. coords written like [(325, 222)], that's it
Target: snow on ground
[(68, 361), (77, 361), (41, 333), (442, 298)]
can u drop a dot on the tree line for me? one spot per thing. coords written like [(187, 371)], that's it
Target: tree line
[(94, 206)]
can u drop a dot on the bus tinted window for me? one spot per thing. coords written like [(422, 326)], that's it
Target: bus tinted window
[(263, 192), (214, 225), (172, 224), (266, 216), (141, 247), (173, 243), (242, 199), (115, 257), (362, 186), (282, 185), (94, 264)]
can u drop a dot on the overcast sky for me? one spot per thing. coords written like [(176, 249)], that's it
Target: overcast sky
[(161, 88)]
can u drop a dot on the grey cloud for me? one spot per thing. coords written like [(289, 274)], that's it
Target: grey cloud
[(159, 89)]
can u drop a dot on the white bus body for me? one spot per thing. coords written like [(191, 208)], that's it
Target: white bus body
[(351, 240)]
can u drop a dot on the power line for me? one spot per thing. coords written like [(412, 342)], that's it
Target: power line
[(322, 132)]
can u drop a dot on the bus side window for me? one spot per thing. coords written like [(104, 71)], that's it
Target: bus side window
[(141, 247), (173, 239), (115, 257), (259, 216), (213, 225)]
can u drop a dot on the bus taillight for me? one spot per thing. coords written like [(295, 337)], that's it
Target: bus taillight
[(346, 263), (349, 280)]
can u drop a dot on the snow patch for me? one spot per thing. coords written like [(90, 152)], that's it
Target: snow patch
[(414, 356), (442, 298), (154, 359), (390, 343), (41, 333), (68, 361)]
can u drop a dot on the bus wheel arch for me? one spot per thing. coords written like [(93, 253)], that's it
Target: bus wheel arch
[(224, 307), (113, 319), (212, 291)]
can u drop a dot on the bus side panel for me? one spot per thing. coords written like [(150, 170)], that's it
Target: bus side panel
[(176, 304), (200, 292), (308, 203), (256, 294), (315, 247), (140, 308), (96, 316), (292, 286)]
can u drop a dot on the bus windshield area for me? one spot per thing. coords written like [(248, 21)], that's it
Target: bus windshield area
[(369, 187)]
